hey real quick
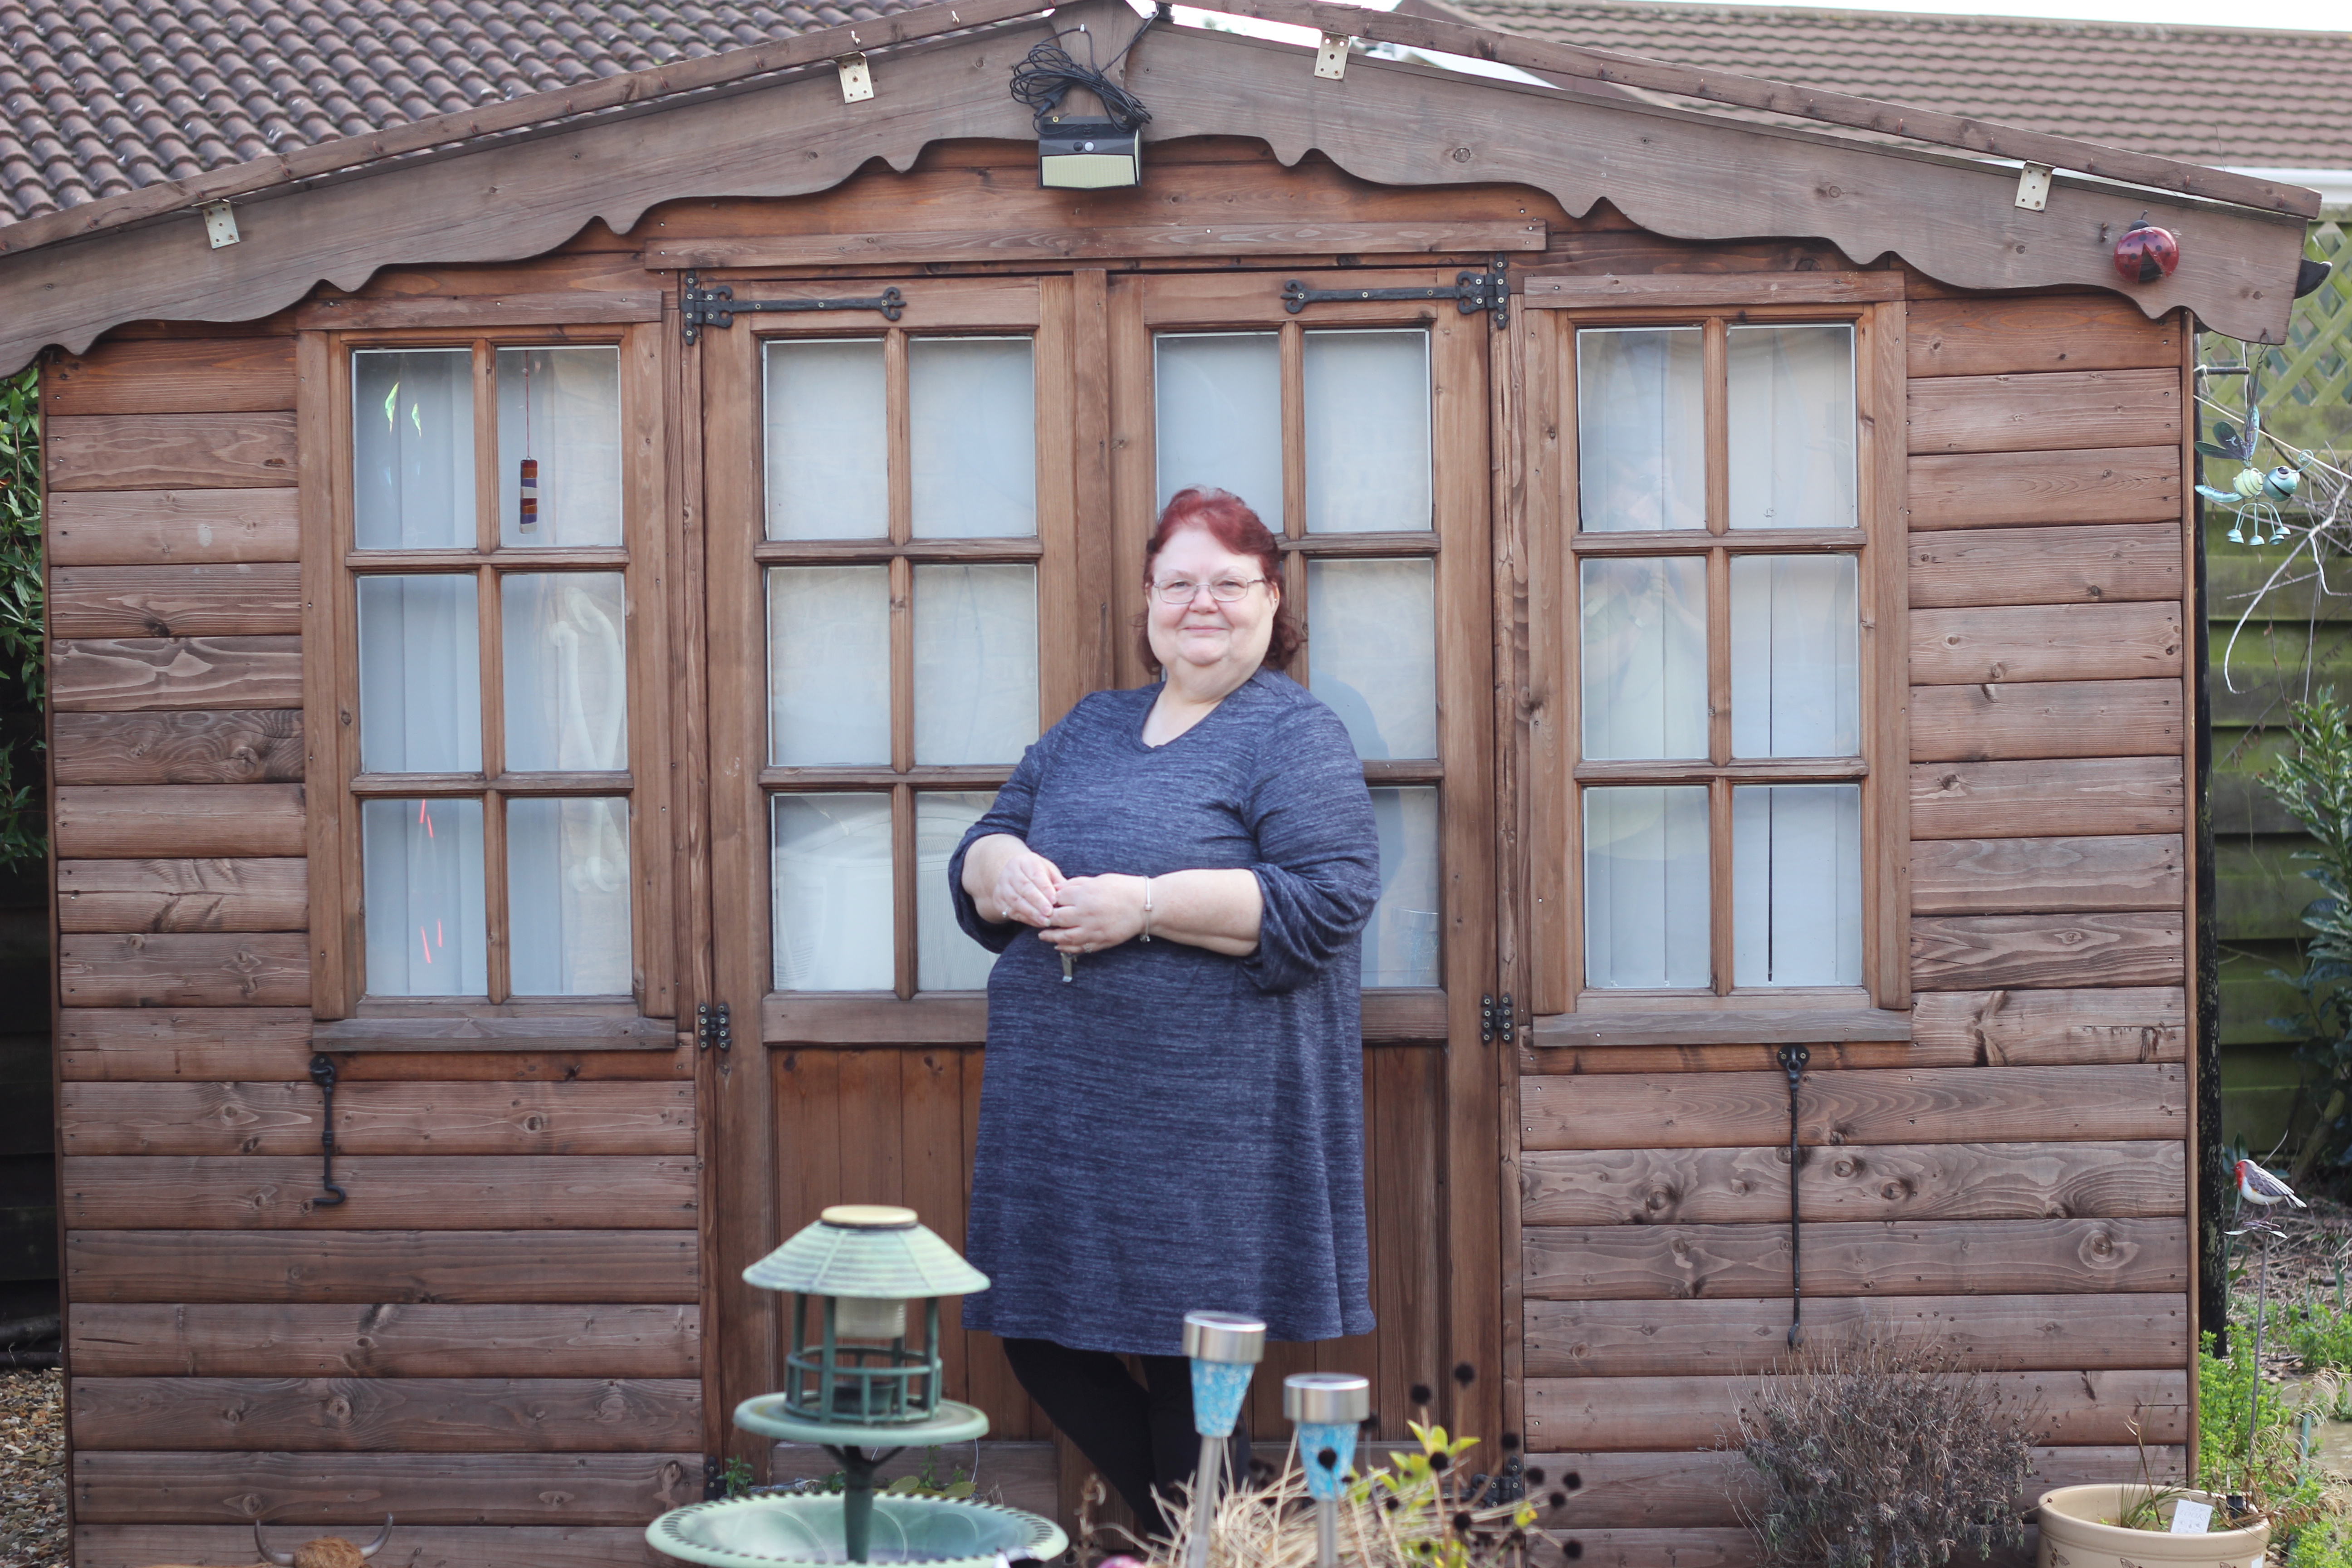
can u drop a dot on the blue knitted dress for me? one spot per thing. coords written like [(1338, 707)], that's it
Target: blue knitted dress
[(1174, 1128)]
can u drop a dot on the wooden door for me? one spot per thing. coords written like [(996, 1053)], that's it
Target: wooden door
[(886, 500)]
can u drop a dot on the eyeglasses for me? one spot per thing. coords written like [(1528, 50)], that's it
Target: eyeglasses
[(1225, 589)]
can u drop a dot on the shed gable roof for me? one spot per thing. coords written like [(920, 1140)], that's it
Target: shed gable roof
[(2181, 93)]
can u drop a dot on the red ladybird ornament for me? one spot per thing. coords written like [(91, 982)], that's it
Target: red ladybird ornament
[(2145, 253)]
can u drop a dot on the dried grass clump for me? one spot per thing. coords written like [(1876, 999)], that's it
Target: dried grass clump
[(1879, 1455)]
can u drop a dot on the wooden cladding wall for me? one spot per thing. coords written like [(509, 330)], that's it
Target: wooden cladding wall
[(2011, 1183), (498, 1338)]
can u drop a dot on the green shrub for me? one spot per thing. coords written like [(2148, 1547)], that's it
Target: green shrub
[(2273, 1476), (21, 645)]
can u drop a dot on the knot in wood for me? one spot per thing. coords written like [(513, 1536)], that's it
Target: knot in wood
[(1461, 154), (1845, 1167), (1660, 1197), (1894, 1191)]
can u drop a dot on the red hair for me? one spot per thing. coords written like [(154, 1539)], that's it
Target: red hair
[(1227, 519)]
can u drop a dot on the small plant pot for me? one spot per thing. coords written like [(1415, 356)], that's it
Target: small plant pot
[(2076, 1534)]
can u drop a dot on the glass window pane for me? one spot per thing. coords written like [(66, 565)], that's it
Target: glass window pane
[(945, 959), (560, 426), (413, 448), (1795, 669), (827, 447), (975, 664), (1367, 432), (833, 926), (567, 682), (422, 865), (1218, 397), (1644, 667), (1796, 885), (568, 896), (1791, 427), (1641, 442), (972, 407), (829, 666), (1371, 652), (420, 676), (1645, 887), (1401, 942)]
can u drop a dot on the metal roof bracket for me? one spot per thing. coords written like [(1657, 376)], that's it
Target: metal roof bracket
[(856, 79), (220, 224), (2034, 186), (1331, 57)]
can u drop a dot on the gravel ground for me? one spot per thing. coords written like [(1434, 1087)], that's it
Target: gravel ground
[(32, 1471)]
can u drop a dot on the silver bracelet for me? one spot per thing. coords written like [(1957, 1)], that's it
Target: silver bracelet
[(1146, 908)]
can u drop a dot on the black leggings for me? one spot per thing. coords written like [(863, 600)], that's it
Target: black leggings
[(1139, 1437)]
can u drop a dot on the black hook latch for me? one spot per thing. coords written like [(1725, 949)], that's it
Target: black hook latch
[(1792, 1059), (322, 1073)]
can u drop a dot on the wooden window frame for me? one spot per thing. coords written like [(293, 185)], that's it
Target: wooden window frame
[(1569, 1010), (333, 565)]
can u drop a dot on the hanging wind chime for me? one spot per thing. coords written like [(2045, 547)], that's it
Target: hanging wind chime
[(526, 511)]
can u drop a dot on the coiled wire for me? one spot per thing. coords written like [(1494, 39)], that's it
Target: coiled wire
[(1047, 73)]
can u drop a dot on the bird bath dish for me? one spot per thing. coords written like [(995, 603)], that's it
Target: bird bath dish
[(860, 1390)]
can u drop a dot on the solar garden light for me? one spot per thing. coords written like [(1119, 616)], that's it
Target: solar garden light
[(1328, 1407), (1225, 1348)]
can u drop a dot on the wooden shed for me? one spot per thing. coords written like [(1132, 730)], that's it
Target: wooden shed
[(1751, 559)]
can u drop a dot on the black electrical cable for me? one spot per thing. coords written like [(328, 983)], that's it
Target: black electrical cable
[(1047, 73)]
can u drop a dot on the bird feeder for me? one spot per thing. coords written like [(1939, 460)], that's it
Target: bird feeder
[(1327, 1407), (857, 1384)]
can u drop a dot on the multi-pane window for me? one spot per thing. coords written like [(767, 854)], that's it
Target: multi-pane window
[(490, 590), (1326, 433), (901, 562), (1718, 570)]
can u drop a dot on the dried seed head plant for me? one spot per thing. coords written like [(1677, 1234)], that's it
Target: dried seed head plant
[(1878, 1454)]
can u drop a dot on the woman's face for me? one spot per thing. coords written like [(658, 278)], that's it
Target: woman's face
[(1204, 633)]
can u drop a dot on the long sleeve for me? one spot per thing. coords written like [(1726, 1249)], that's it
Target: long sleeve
[(1319, 871), (1011, 813)]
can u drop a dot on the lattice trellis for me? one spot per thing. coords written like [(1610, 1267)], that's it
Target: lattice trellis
[(2306, 382)]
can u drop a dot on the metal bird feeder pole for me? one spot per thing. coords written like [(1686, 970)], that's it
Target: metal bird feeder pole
[(1329, 1407), (1224, 1350)]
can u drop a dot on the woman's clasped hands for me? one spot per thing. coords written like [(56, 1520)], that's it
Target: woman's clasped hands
[(1073, 914)]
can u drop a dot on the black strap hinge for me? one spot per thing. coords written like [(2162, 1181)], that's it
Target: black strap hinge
[(711, 1027), (717, 306), (1471, 293)]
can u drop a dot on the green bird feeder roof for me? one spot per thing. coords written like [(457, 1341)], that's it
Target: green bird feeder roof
[(867, 1252)]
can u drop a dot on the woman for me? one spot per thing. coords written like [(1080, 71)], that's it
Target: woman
[(1171, 1116)]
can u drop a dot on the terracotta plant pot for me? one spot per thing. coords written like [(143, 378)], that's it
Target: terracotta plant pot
[(2075, 1534)]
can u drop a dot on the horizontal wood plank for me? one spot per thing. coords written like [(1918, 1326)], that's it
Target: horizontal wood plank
[(378, 1341), (2002, 875), (1933, 1257), (420, 1546), (204, 600), (2056, 798), (1668, 1492), (169, 451), (183, 895), (2046, 642), (171, 376), (1575, 290), (2122, 564), (1887, 1106), (1933, 1181), (2041, 1029), (132, 822), (2004, 489), (2076, 1406), (246, 746), (1991, 953), (365, 1415), (448, 1267), (118, 1045), (263, 1192), (2045, 718), (282, 1119), (184, 969), (1738, 1338), (297, 1489), (2004, 334), (175, 528), (1730, 1026), (1079, 237), (118, 675), (582, 1032), (575, 307), (2045, 411)]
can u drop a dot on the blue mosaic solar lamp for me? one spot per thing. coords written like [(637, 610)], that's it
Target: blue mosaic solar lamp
[(1226, 1349), (1329, 1407)]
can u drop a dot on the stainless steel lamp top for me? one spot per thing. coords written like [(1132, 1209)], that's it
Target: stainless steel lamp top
[(1326, 1398), (1225, 1337)]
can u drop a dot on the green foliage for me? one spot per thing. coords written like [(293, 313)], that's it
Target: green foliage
[(21, 641), (2321, 1337), (2273, 1474), (2323, 1544), (735, 1481), (2312, 779)]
